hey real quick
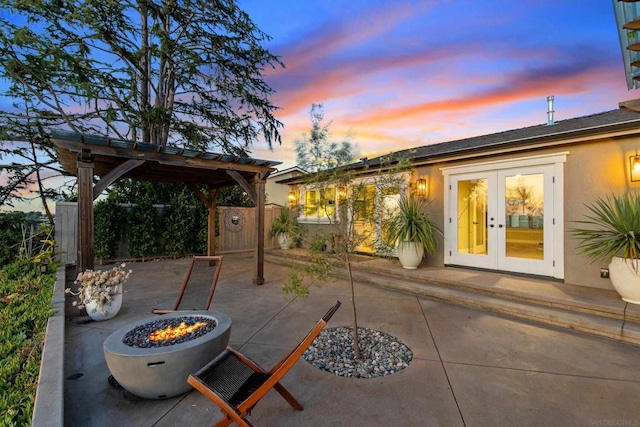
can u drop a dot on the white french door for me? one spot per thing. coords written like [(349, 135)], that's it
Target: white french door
[(505, 218)]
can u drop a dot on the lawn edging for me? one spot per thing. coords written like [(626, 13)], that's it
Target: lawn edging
[(48, 409)]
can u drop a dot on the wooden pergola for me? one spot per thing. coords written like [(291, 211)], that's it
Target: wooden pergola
[(88, 156)]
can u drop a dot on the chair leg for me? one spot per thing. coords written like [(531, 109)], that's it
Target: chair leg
[(288, 397), (227, 420)]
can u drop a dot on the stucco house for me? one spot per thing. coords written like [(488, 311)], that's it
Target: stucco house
[(277, 193), (506, 201)]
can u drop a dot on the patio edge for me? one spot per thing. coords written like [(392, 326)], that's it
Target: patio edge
[(48, 408)]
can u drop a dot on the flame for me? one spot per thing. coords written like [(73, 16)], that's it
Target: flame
[(170, 332)]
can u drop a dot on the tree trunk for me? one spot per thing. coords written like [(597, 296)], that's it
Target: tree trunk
[(356, 343), (143, 77)]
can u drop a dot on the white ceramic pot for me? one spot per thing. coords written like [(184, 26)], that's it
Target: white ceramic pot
[(625, 278), (410, 255), (284, 241), (106, 311)]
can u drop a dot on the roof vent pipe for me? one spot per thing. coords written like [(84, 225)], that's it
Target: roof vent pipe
[(550, 111)]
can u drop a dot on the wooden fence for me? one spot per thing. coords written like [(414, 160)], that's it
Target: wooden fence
[(236, 230), (66, 224)]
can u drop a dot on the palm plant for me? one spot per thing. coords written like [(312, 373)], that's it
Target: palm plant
[(613, 228), (411, 224), (286, 228), (285, 223)]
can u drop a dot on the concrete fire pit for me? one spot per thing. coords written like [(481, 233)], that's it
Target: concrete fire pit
[(162, 372)]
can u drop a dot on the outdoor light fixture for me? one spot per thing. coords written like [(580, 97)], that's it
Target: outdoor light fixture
[(421, 187), (634, 168), (292, 196)]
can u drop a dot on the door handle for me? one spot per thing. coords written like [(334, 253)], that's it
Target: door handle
[(499, 225), (491, 226)]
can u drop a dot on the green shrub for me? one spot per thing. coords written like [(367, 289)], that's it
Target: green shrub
[(10, 236), (25, 307), (143, 225), (180, 230), (107, 230)]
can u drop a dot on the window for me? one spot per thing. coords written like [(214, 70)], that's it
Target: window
[(320, 203)]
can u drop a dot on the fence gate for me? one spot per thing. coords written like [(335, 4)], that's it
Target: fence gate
[(237, 228)]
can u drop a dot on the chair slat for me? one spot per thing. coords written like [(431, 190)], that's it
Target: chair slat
[(226, 377), (248, 388)]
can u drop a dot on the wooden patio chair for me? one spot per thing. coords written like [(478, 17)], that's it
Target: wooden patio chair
[(236, 384), (208, 259)]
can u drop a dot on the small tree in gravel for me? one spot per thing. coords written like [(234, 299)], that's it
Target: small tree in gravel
[(353, 225)]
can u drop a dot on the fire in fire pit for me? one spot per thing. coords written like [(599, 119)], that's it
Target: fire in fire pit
[(157, 369), (165, 332)]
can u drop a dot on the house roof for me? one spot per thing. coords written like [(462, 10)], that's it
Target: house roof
[(293, 170), (558, 133), (554, 134), (161, 163)]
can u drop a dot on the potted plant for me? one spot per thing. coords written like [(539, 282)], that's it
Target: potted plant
[(100, 292), (286, 228), (613, 234), (412, 232)]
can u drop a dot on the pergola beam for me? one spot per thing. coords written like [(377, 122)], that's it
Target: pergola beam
[(113, 176)]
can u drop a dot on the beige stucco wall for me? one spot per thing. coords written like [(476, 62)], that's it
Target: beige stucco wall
[(435, 195), (276, 193), (279, 193), (592, 169)]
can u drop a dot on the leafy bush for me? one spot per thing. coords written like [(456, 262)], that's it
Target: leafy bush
[(181, 222), (25, 306), (202, 237), (143, 223), (10, 236), (108, 214)]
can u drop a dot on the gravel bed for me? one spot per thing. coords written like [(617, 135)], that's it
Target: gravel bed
[(380, 353)]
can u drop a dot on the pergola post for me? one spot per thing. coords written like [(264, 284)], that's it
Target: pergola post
[(259, 184), (211, 221), (85, 211)]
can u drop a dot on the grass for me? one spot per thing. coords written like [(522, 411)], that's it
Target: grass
[(25, 307)]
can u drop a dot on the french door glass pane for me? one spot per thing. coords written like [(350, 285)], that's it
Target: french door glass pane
[(365, 218), (524, 214), (472, 216)]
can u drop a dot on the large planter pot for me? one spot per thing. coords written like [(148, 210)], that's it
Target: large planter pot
[(410, 255), (625, 278), (284, 240), (106, 311)]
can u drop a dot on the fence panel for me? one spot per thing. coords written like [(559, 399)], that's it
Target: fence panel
[(66, 221)]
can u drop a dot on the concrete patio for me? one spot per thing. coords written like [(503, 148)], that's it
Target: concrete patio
[(470, 367)]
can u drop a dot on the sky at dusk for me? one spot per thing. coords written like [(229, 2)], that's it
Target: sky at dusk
[(399, 74), (395, 74)]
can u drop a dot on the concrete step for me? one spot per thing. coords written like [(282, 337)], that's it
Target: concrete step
[(591, 312)]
